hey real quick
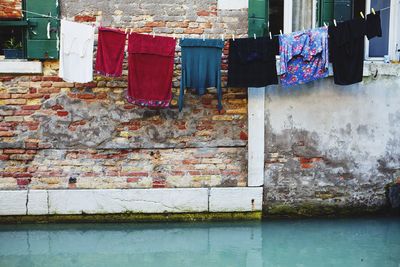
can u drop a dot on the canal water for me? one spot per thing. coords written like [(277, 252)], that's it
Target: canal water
[(333, 242)]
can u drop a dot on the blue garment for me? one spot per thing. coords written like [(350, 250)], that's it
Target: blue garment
[(201, 67), (304, 56)]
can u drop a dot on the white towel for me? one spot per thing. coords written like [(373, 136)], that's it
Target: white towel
[(76, 52)]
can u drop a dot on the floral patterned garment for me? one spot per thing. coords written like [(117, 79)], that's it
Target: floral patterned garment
[(304, 56)]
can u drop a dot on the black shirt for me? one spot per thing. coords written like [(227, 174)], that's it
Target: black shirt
[(346, 47), (252, 62)]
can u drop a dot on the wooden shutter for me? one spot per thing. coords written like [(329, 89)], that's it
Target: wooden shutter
[(258, 17), (38, 45)]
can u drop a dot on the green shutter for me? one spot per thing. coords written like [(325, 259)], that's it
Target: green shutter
[(258, 17), (326, 8), (38, 45), (340, 10)]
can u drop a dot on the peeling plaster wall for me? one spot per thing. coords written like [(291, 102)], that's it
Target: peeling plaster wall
[(331, 145)]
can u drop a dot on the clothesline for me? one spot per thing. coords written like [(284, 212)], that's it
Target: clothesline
[(126, 30)]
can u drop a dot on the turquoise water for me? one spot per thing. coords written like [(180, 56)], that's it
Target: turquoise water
[(340, 242)]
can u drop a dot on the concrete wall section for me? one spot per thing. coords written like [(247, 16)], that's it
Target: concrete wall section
[(332, 145)]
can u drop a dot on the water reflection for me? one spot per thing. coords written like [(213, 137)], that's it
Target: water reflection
[(276, 243)]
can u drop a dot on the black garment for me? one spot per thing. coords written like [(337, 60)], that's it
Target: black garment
[(252, 62), (346, 47), (374, 28)]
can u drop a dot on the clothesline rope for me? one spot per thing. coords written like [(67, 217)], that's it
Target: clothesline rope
[(57, 18)]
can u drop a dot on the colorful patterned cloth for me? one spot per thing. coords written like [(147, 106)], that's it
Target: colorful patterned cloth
[(304, 56)]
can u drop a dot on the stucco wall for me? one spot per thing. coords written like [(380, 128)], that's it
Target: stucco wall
[(331, 146), (51, 131)]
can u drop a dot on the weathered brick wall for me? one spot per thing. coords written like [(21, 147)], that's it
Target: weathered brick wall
[(10, 9), (55, 134)]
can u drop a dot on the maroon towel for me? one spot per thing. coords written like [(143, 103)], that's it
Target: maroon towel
[(151, 66), (110, 52)]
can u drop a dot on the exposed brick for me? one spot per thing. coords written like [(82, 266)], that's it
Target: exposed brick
[(194, 31), (23, 112), (6, 134), (15, 102), (243, 136), (155, 24), (86, 96), (203, 13), (4, 157), (22, 175), (46, 84), (57, 107), (62, 113), (23, 181), (32, 107), (85, 18), (14, 151), (4, 96)]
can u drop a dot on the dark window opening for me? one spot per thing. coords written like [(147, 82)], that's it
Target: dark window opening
[(275, 16), (11, 36)]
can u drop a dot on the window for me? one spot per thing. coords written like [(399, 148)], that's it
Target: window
[(347, 9), (37, 34)]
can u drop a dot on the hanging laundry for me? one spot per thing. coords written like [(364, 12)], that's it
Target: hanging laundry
[(151, 66), (110, 52), (201, 67), (76, 52), (374, 28), (346, 47), (252, 62), (304, 56)]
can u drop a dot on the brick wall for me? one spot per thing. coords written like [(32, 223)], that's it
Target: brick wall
[(10, 9), (55, 134)]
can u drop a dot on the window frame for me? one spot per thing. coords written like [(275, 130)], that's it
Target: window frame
[(20, 23), (288, 15), (393, 34)]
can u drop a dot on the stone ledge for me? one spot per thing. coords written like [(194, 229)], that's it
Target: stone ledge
[(121, 201), (28, 67)]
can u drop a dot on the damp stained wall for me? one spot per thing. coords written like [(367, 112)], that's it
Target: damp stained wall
[(329, 145)]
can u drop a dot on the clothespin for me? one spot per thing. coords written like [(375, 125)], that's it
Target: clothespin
[(183, 37), (280, 31), (334, 22), (325, 24), (373, 11), (204, 37), (255, 36), (233, 37), (154, 34), (304, 29), (270, 35), (362, 15), (222, 37), (173, 36), (126, 30), (131, 31)]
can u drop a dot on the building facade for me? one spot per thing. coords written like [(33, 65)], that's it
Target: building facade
[(69, 148)]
